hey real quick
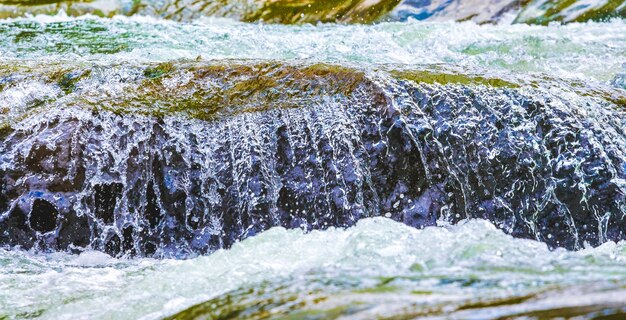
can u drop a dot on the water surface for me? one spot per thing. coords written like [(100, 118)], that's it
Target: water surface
[(378, 268)]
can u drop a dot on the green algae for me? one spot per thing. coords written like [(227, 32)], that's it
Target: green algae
[(5, 129), (246, 303), (490, 303), (273, 301), (210, 91), (545, 11), (445, 77), (213, 91), (195, 89), (67, 80), (291, 12), (299, 12), (158, 71), (450, 77), (272, 11)]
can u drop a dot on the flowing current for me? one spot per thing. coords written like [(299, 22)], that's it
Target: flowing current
[(377, 268), (396, 170)]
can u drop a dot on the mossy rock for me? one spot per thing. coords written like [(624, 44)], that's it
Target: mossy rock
[(271, 11), (545, 11), (190, 88), (295, 12), (166, 122), (209, 90), (100, 8), (316, 11), (446, 77)]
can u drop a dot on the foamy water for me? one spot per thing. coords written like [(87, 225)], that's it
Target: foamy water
[(384, 266), (580, 50), (378, 267)]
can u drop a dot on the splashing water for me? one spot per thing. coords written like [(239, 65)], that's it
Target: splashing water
[(586, 51), (147, 138), (379, 267)]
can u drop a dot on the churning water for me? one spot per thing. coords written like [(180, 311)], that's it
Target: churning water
[(275, 159), (378, 268)]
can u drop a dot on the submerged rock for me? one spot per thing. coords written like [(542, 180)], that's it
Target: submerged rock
[(455, 10), (546, 11), (620, 79), (184, 158)]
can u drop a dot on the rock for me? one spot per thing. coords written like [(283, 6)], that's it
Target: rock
[(455, 10), (620, 79), (184, 158), (334, 11), (546, 11), (270, 11)]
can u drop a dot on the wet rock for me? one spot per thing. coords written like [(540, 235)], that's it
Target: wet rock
[(275, 11), (456, 10), (351, 11), (334, 11), (105, 200), (74, 233), (43, 216), (310, 146), (620, 79), (546, 11)]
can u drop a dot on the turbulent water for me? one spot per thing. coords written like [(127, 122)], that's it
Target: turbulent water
[(277, 157), (583, 51), (379, 268)]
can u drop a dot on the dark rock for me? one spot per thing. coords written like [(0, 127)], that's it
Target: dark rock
[(336, 146), (43, 216)]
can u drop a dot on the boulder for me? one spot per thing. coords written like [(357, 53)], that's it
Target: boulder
[(184, 158)]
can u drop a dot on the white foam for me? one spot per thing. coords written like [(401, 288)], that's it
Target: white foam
[(94, 286)]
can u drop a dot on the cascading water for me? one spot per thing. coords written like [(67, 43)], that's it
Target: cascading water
[(240, 149), (325, 171)]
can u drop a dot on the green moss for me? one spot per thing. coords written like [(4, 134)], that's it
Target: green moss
[(431, 77), (545, 11), (421, 292), (209, 91), (245, 303), (294, 12), (67, 80), (31, 2), (490, 303), (5, 129), (243, 88), (158, 71), (272, 301), (271, 11)]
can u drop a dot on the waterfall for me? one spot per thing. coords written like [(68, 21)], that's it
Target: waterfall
[(184, 158)]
